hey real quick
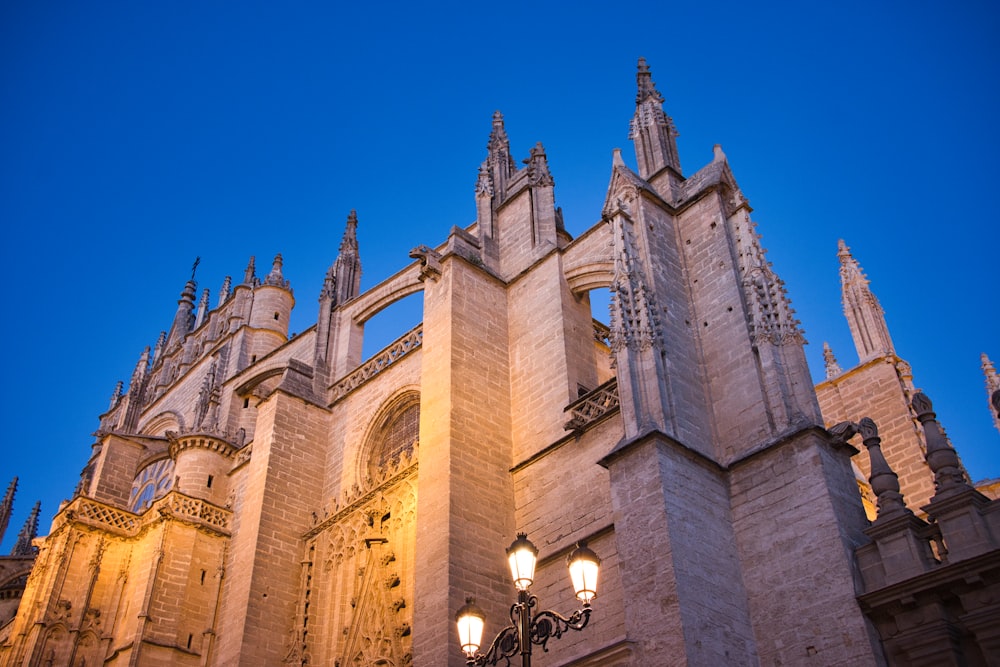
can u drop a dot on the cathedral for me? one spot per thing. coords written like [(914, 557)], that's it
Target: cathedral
[(256, 498)]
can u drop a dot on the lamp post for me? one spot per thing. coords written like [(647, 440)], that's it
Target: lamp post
[(527, 628)]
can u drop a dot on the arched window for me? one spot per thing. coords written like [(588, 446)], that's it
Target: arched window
[(397, 430), (152, 483)]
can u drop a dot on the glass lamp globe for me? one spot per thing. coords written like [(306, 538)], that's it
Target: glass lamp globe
[(583, 568), (470, 620), (522, 555)]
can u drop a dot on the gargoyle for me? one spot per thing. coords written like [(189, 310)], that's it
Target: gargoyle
[(430, 264)]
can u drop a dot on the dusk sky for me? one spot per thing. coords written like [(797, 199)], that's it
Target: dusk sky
[(137, 136)]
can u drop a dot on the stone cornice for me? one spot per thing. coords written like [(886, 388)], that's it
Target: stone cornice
[(209, 441), (946, 577)]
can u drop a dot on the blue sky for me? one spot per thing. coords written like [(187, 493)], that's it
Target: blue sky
[(137, 135)]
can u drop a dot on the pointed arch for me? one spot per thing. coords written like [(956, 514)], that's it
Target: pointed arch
[(394, 430)]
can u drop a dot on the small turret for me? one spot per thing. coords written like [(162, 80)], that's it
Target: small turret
[(272, 302), (865, 316), (29, 531)]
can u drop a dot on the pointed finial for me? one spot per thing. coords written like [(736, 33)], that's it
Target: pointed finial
[(941, 456), (885, 483), (11, 489), (139, 373), (538, 166), (644, 82), (227, 284), (250, 275), (833, 369), (7, 506), (275, 277), (160, 342), (350, 239), (202, 312), (864, 313), (29, 531), (717, 154), (616, 158), (116, 395), (484, 184)]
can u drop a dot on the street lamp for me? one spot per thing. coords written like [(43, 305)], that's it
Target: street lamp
[(527, 629)]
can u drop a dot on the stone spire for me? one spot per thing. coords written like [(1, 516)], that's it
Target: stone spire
[(538, 166), (136, 394), (139, 374), (884, 482), (275, 278), (949, 477), (225, 290), (116, 395), (652, 131), (202, 312), (7, 506), (992, 387), (341, 284), (833, 369), (865, 316), (161, 341), (499, 162), (184, 318), (29, 531), (250, 275), (343, 279)]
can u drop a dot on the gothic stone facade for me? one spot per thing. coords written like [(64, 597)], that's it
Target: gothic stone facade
[(257, 499)]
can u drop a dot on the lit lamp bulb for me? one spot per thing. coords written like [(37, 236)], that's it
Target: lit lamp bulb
[(522, 556), (470, 620), (583, 567)]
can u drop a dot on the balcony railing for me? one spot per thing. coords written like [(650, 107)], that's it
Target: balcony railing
[(593, 406), (401, 347), (173, 505)]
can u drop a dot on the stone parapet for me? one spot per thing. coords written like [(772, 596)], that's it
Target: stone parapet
[(116, 521)]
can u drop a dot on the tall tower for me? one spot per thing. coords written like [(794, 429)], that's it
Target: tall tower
[(720, 422)]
